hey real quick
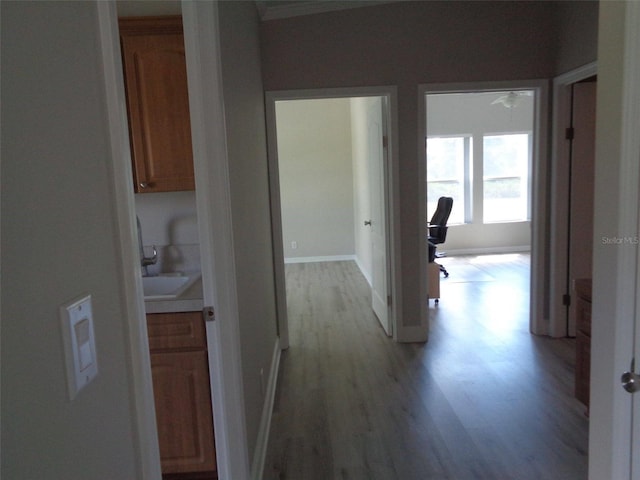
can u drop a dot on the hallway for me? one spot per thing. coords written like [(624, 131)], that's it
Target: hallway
[(483, 399)]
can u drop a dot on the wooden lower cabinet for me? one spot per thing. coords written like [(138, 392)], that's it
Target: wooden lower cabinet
[(182, 395), (583, 340), (583, 367)]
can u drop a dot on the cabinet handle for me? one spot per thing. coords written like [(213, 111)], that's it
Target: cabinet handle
[(144, 184)]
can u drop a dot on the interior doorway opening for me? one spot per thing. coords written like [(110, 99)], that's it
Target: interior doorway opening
[(572, 192), (479, 147), (330, 157), (499, 284), (482, 146)]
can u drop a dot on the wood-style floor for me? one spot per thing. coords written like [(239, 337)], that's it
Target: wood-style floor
[(483, 399)]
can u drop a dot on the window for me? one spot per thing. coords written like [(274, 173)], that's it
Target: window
[(506, 160), (447, 160), (479, 151)]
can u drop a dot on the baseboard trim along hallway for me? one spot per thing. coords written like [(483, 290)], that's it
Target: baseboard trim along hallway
[(260, 453)]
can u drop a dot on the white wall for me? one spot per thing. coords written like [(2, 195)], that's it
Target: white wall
[(474, 115), (316, 177), (58, 242), (168, 218), (169, 222)]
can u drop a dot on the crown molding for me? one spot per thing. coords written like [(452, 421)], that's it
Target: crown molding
[(273, 10)]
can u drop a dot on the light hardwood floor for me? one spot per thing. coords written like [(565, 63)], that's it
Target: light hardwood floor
[(483, 399)]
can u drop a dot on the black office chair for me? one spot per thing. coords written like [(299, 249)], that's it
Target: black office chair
[(438, 228)]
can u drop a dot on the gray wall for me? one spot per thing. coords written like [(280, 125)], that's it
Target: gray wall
[(407, 44), (577, 34), (246, 143), (58, 241)]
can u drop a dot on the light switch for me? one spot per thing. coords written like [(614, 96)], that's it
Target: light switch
[(79, 344)]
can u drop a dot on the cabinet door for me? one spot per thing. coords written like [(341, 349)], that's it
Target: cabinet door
[(176, 331), (158, 105), (583, 367), (183, 411)]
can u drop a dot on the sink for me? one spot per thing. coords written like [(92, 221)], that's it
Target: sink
[(167, 286)]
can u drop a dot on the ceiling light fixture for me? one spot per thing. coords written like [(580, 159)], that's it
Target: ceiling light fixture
[(510, 100)]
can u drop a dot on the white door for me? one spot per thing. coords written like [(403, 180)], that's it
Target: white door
[(614, 424), (377, 155), (635, 414), (210, 163)]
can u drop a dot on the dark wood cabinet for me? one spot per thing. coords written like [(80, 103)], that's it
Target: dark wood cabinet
[(583, 339), (155, 76), (180, 371)]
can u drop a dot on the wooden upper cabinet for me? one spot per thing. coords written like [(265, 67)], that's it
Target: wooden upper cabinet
[(157, 103)]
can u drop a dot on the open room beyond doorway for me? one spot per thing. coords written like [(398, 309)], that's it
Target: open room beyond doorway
[(330, 157), (484, 143)]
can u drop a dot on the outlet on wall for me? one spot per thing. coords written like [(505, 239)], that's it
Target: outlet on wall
[(294, 245)]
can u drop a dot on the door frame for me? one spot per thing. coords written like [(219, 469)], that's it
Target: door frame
[(218, 272), (213, 205), (538, 322), (392, 200), (144, 429), (559, 198)]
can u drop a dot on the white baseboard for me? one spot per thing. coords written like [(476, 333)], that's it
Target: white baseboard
[(412, 334), (259, 456), (329, 258), (483, 250), (365, 274)]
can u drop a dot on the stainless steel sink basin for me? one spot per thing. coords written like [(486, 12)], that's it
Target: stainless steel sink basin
[(167, 286)]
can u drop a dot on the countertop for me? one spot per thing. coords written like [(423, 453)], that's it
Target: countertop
[(191, 300)]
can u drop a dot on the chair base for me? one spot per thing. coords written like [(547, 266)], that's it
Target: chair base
[(444, 270)]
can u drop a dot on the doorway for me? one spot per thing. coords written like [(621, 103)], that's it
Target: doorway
[(581, 135), (563, 218), (479, 184), (331, 171), (219, 285)]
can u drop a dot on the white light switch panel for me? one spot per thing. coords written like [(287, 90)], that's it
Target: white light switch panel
[(79, 344)]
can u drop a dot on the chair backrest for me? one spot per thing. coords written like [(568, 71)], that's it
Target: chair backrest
[(438, 224)]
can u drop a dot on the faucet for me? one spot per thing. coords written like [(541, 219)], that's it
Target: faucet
[(145, 261)]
